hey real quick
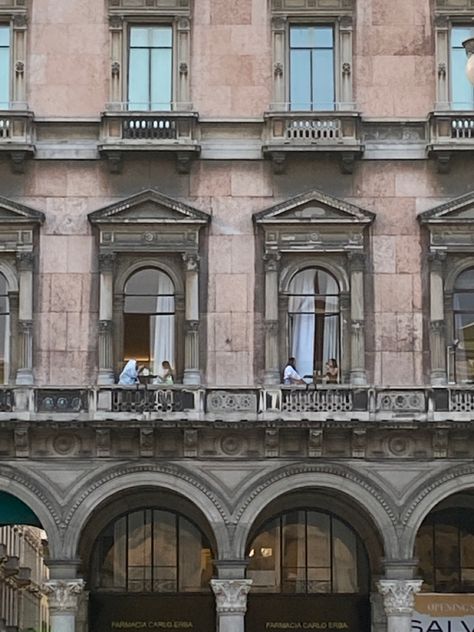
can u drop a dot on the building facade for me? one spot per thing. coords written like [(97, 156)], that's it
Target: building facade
[(220, 186)]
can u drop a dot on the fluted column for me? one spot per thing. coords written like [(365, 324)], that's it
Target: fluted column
[(231, 603), (24, 262), (437, 319), (63, 597), (272, 365), (192, 373), (357, 269), (399, 600), (106, 363)]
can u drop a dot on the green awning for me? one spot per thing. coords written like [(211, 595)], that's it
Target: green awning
[(14, 511)]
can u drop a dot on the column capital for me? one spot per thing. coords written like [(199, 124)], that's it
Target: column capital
[(191, 261), (231, 595), (436, 258), (63, 593), (106, 261), (25, 261), (399, 594), (357, 260), (271, 260)]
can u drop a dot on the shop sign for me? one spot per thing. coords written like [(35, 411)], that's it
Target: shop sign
[(316, 612), (435, 612), (155, 612)]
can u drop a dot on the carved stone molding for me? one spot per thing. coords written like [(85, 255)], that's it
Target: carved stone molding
[(231, 595), (272, 327), (25, 261), (63, 594), (228, 401), (271, 260), (191, 261), (192, 326), (115, 69), (399, 595), (357, 261), (106, 262)]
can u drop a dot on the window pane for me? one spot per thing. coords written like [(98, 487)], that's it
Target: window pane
[(193, 559), (139, 79), (293, 552), (162, 337), (140, 304), (446, 546), (149, 282), (424, 553), (462, 92), (161, 79), (140, 36), (161, 36), (323, 80), (300, 80), (4, 77), (459, 34), (164, 551), (4, 35), (136, 337), (465, 281), (264, 555), (311, 37), (139, 551), (319, 552), (344, 559)]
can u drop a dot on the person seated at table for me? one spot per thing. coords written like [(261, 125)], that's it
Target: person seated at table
[(129, 375), (165, 374), (332, 371), (290, 374)]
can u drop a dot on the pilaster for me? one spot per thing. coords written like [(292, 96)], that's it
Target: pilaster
[(106, 269), (272, 371), (357, 310), (437, 319), (192, 373)]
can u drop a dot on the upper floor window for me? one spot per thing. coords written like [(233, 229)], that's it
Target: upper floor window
[(462, 92), (311, 67), (313, 318), (4, 331), (150, 67), (4, 66), (149, 319), (307, 551), (463, 326)]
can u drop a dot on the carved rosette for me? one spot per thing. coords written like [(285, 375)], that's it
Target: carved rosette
[(231, 595), (63, 594), (399, 595)]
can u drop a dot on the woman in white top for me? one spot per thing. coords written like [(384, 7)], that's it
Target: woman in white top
[(290, 374)]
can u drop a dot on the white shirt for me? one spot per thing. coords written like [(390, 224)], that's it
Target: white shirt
[(290, 375)]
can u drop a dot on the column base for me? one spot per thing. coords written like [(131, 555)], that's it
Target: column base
[(358, 377), (105, 376), (192, 376), (272, 376), (24, 377)]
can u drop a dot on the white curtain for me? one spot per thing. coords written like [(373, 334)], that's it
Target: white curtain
[(302, 309), (162, 326)]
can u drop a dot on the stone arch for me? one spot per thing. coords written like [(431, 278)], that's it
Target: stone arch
[(10, 274), (94, 492), (372, 501), (427, 496), (39, 499)]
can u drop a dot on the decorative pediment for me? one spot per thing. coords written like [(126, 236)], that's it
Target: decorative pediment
[(15, 213), (314, 207), (457, 211), (149, 207)]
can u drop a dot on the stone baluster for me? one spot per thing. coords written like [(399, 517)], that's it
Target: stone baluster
[(437, 319), (357, 329), (231, 603), (272, 371), (25, 264), (106, 364), (192, 373), (399, 600), (63, 596)]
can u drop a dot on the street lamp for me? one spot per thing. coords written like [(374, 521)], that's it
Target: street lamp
[(469, 48)]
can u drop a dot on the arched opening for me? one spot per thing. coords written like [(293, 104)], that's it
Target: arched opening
[(463, 327), (309, 562), (444, 547), (23, 549), (314, 321), (148, 558), (149, 320)]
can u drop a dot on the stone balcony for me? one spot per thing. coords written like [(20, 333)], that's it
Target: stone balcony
[(159, 132), (179, 403), (314, 134), (16, 137), (450, 132)]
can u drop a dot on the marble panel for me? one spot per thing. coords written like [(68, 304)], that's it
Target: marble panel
[(383, 254), (393, 293), (231, 292)]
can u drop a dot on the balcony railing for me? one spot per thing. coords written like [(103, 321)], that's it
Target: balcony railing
[(258, 404), (450, 132), (16, 136)]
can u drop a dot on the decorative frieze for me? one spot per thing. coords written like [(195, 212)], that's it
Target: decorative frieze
[(230, 401), (312, 7)]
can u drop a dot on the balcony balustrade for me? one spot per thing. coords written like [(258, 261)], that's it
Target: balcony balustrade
[(338, 402), (16, 137), (450, 132)]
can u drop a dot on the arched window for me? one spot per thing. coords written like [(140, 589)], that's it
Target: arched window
[(152, 550), (149, 319), (308, 551), (4, 331), (463, 326), (445, 550), (314, 327)]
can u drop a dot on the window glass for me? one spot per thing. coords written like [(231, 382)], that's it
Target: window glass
[(149, 319), (4, 331), (4, 66), (314, 321), (462, 92), (150, 68), (308, 552), (463, 327), (152, 550), (312, 68)]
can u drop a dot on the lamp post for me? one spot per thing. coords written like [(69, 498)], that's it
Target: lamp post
[(469, 48)]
